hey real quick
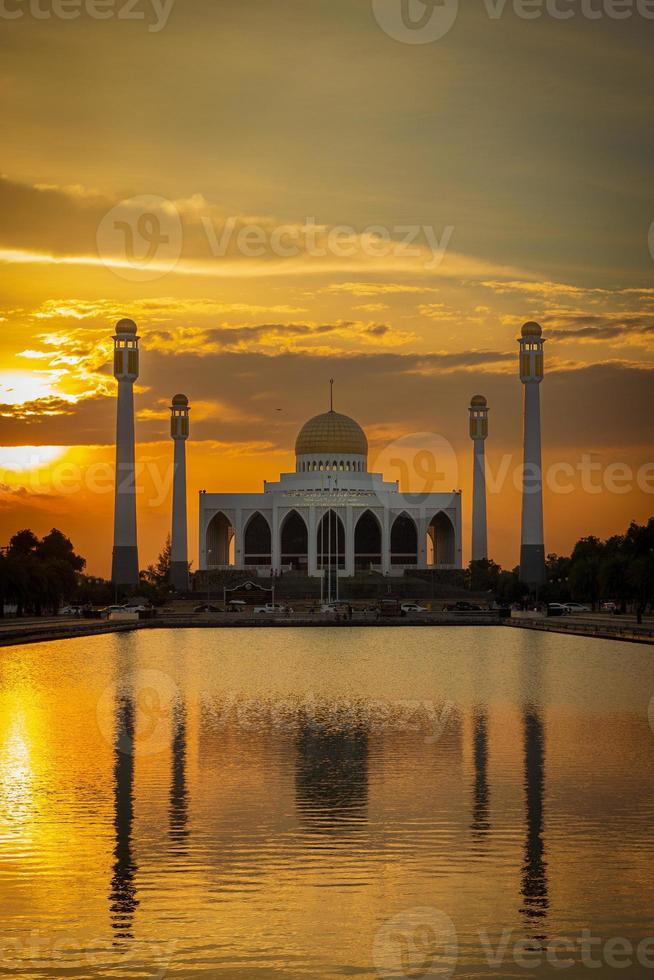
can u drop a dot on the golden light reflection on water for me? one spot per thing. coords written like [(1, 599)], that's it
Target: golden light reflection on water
[(316, 803)]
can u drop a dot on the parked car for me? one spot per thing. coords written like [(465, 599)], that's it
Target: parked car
[(463, 606), (70, 611), (108, 610), (556, 609), (412, 607), (270, 608), (576, 607), (609, 607), (236, 605)]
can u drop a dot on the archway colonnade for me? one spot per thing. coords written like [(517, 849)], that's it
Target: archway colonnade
[(312, 538)]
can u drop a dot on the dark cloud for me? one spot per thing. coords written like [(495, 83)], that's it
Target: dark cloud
[(586, 327), (238, 397)]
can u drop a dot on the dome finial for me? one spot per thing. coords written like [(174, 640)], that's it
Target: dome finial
[(331, 394)]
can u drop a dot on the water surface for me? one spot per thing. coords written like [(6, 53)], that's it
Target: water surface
[(325, 803)]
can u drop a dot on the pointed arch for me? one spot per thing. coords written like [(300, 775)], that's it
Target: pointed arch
[(404, 540), (294, 541), (441, 539), (257, 541), (367, 541), (220, 540)]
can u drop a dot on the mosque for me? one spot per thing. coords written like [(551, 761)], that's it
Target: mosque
[(330, 513), (331, 517)]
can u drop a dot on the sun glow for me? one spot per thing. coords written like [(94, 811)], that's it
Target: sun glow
[(18, 387), (22, 459)]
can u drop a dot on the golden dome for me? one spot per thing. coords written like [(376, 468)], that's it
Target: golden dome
[(532, 329), (478, 401), (331, 433)]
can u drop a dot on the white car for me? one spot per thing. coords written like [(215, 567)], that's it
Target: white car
[(575, 607), (270, 607), (409, 607)]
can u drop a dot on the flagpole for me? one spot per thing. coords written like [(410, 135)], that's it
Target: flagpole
[(329, 540)]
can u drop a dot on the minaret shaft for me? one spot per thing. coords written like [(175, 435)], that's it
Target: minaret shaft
[(479, 525), (532, 542), (479, 433), (125, 561), (179, 430)]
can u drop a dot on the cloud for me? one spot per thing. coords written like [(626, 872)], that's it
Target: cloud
[(265, 398), (634, 329), (194, 237)]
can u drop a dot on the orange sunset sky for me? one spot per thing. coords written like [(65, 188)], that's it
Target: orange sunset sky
[(520, 147)]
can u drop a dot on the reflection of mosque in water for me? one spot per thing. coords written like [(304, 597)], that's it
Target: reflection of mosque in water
[(534, 876), (122, 897), (331, 795), (178, 811), (480, 824), (331, 779)]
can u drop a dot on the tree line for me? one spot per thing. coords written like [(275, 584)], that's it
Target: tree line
[(37, 575), (619, 570)]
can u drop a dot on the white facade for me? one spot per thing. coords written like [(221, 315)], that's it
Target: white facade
[(330, 513)]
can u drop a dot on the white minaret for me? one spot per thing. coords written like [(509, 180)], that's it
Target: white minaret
[(532, 546), (125, 564), (179, 432), (478, 434)]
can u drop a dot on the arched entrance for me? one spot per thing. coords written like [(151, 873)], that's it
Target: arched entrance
[(220, 541), (294, 541), (367, 542), (440, 541), (257, 541), (331, 541), (404, 541)]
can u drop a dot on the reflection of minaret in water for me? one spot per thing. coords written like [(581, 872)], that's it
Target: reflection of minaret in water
[(534, 877), (122, 896), (178, 790), (331, 777), (480, 820)]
